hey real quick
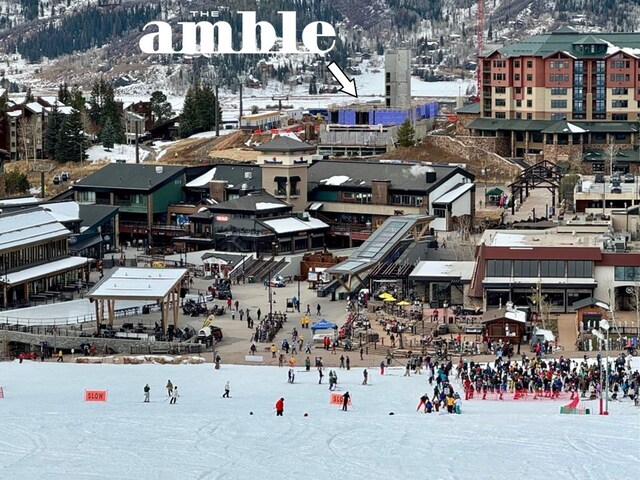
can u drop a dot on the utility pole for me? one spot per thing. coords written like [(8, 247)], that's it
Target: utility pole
[(137, 146), (218, 109)]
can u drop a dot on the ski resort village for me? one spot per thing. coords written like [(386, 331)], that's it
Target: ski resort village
[(411, 251)]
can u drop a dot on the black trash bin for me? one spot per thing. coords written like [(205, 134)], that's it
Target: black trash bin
[(333, 296)]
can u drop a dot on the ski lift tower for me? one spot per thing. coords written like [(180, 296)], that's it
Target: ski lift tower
[(42, 167), (280, 99)]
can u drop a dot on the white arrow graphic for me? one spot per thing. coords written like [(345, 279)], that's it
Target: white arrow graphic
[(348, 86)]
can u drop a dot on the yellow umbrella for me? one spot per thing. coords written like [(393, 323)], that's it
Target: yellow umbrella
[(389, 299), (403, 303), (385, 295)]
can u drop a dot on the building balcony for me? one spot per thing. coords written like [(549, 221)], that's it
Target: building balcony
[(371, 209), (294, 192), (279, 193)]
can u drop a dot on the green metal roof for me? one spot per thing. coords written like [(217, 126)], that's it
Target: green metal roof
[(551, 126), (470, 108), (568, 40), (518, 125), (620, 156)]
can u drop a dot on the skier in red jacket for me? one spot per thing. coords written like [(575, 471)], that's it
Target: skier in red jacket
[(279, 407)]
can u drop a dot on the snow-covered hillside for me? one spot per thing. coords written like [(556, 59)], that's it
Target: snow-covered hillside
[(49, 433)]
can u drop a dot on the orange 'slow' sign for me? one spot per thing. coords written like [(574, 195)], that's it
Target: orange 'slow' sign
[(95, 395), (335, 399)]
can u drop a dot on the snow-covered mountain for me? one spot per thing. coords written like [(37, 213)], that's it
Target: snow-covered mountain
[(79, 40)]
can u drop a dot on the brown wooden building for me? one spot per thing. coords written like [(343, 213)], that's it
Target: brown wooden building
[(508, 325)]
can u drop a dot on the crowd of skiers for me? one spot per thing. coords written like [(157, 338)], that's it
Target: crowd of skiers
[(549, 378), (269, 327)]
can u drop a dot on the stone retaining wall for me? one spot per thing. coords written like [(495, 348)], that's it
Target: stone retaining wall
[(67, 343)]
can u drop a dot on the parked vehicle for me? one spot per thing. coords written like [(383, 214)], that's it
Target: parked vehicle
[(207, 333), (629, 178), (277, 281), (615, 177), (193, 309), (599, 178), (224, 294)]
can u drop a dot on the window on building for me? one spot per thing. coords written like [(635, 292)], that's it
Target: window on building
[(86, 197), (558, 104), (620, 64), (499, 76), (501, 102), (529, 90), (439, 212), (627, 274), (620, 104), (518, 90), (501, 115), (529, 116), (518, 103), (579, 269), (620, 116), (536, 137), (525, 268), (558, 91), (578, 67), (619, 77), (518, 115), (499, 268), (516, 77), (619, 91), (516, 63), (529, 77), (529, 103), (558, 116), (501, 90), (529, 64)]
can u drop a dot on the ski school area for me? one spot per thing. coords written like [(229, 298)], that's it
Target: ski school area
[(72, 421)]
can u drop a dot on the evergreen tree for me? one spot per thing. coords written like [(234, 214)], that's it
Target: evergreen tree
[(76, 99), (103, 107), (207, 108), (108, 134), (29, 96), (189, 115), (160, 108), (64, 96), (71, 144), (406, 134), (51, 135)]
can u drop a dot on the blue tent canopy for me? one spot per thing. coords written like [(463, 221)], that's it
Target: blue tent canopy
[(322, 325)]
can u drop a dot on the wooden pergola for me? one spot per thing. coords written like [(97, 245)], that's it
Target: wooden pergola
[(161, 285)]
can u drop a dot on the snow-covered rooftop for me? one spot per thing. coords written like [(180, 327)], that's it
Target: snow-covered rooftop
[(137, 283), (57, 266), (63, 211), (203, 180), (461, 270), (293, 224), (267, 205), (454, 194), (335, 180), (30, 226)]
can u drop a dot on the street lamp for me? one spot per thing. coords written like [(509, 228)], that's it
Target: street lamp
[(604, 325)]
